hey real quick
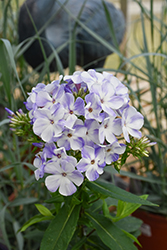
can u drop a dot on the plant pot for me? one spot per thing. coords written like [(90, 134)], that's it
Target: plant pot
[(154, 231)]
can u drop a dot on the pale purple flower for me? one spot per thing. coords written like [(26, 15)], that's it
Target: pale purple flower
[(74, 82), (92, 77), (112, 151), (91, 132), (110, 127), (58, 156), (93, 107), (49, 123), (39, 162), (53, 94), (31, 103), (31, 100), (76, 77), (63, 178), (72, 109), (72, 138), (92, 162), (107, 98), (48, 149), (52, 87), (132, 121), (120, 89)]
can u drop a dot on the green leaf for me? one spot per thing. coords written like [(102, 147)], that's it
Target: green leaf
[(19, 236), (113, 191), (95, 242), (106, 210), (7, 64), (125, 208), (5, 69), (61, 229), (43, 210), (35, 219), (76, 201), (111, 235), (131, 236), (130, 224), (5, 121), (22, 201), (3, 226), (79, 244), (56, 199)]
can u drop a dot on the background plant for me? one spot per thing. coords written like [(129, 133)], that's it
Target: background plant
[(18, 191)]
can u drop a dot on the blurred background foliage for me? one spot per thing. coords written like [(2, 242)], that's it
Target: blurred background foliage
[(143, 70)]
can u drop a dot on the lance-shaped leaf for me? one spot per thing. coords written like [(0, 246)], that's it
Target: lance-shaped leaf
[(111, 235), (110, 190), (61, 229), (35, 219), (43, 210)]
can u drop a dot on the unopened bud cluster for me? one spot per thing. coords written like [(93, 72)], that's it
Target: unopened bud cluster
[(20, 123)]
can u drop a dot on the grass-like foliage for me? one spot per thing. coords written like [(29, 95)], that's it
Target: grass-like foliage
[(22, 225)]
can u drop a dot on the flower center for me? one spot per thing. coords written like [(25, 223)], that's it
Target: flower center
[(69, 135), (59, 156), (105, 126), (71, 112), (102, 101), (51, 121), (92, 162), (64, 174), (109, 149), (90, 110), (53, 101)]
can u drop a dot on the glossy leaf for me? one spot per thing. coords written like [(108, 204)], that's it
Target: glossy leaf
[(111, 235), (131, 236), (35, 219), (61, 229), (43, 210), (125, 208), (113, 191)]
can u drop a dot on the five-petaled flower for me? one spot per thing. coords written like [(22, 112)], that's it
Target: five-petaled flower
[(79, 120), (62, 178)]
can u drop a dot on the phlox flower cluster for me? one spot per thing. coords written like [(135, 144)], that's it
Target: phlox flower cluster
[(79, 133)]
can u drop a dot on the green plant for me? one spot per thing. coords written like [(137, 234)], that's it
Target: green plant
[(146, 77), (19, 191)]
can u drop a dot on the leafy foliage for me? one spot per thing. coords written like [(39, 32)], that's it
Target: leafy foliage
[(97, 227)]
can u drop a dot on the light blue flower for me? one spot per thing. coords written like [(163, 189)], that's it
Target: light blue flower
[(92, 77), (93, 107), (107, 98), (91, 133), (72, 108), (58, 156), (52, 94), (113, 151), (110, 127), (49, 123), (132, 121), (92, 162), (39, 162), (62, 178), (73, 138)]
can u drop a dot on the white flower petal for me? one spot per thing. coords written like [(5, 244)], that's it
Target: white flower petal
[(66, 187), (52, 182)]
